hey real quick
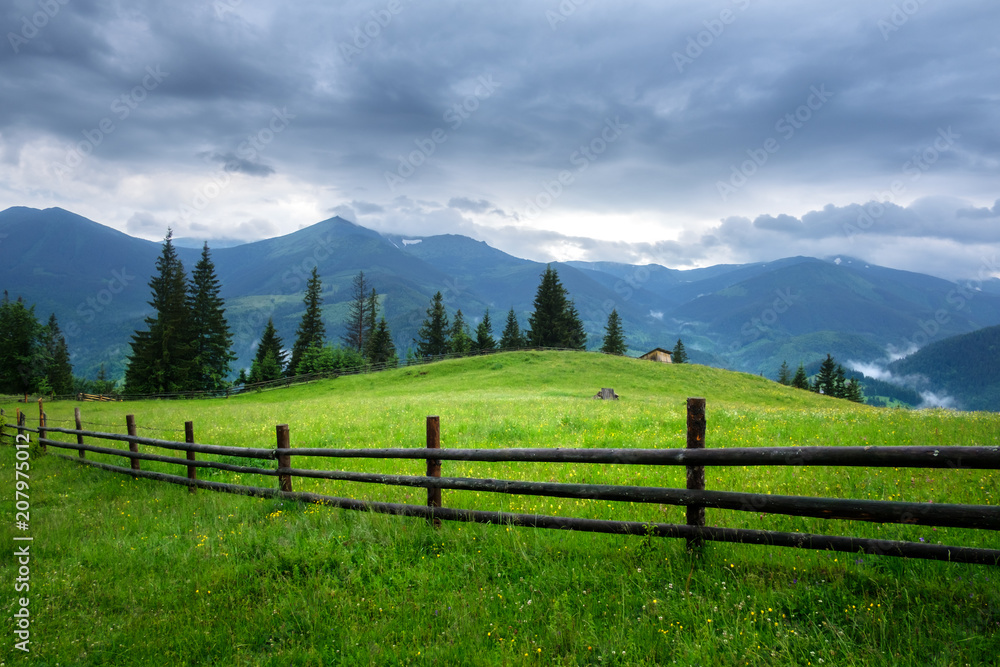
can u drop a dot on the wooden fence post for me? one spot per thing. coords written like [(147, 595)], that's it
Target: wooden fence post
[(695, 474), (41, 429), (132, 447), (434, 465), (284, 460), (79, 427), (189, 438), (20, 423)]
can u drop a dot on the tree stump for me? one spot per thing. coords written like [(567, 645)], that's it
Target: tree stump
[(606, 394)]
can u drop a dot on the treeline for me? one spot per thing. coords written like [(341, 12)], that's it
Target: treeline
[(831, 380), (34, 357)]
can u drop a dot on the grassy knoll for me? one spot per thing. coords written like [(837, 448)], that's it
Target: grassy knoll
[(132, 572)]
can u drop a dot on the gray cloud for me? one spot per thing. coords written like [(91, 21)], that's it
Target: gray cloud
[(747, 94)]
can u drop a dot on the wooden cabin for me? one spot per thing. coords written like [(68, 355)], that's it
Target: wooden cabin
[(659, 354)]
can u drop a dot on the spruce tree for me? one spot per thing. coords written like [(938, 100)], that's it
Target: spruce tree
[(548, 325), (614, 337), (59, 370), (484, 334), (163, 356), (213, 340), (801, 380), (22, 358), (784, 374), (827, 377), (679, 354), (433, 334), (311, 332), (270, 342), (853, 391), (576, 337), (839, 382), (460, 342), (359, 318), (381, 348), (512, 338)]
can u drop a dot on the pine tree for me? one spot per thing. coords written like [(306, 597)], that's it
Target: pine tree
[(371, 323), (381, 348), (265, 370), (22, 358), (433, 334), (853, 391), (576, 337), (548, 326), (801, 380), (679, 354), (839, 383), (163, 356), (270, 342), (59, 370), (614, 337), (484, 335), (827, 377), (784, 374), (512, 338), (212, 338), (103, 385), (359, 319), (460, 342), (311, 332)]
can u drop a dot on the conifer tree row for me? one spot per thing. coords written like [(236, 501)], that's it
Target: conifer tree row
[(187, 344), (33, 357)]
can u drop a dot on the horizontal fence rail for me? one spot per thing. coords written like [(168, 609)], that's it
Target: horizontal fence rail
[(695, 498)]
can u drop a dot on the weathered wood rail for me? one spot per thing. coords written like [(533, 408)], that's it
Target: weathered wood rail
[(695, 498)]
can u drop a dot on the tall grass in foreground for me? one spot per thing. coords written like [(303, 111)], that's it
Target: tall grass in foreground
[(132, 572)]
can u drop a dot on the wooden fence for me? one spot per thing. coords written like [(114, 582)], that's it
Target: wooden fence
[(695, 497)]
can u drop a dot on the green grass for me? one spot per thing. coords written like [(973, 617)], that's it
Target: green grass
[(132, 572)]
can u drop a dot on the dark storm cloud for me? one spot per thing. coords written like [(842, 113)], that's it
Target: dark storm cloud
[(752, 127)]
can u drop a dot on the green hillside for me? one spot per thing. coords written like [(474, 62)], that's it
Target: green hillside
[(133, 572), (965, 367)]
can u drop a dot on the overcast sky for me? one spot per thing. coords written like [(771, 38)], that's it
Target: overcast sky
[(681, 133)]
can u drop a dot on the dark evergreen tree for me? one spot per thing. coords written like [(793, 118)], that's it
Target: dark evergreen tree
[(576, 337), (433, 334), (162, 356), (266, 369), (359, 318), (241, 379), (512, 338), (679, 354), (827, 377), (381, 348), (270, 342), (213, 341), (548, 324), (484, 335), (614, 337), (311, 332), (371, 324), (784, 374), (853, 391), (460, 342), (59, 370), (839, 383), (801, 380), (22, 355)]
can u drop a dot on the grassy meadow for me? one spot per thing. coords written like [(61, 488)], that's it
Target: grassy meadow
[(131, 572)]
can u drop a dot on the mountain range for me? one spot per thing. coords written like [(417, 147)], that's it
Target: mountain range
[(748, 317)]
